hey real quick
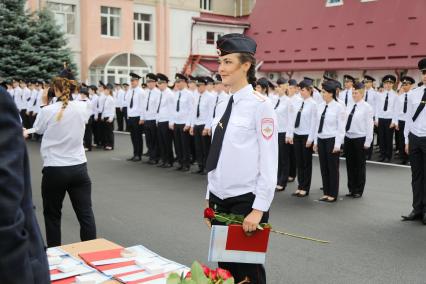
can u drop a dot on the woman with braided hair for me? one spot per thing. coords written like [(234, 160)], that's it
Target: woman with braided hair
[(64, 161)]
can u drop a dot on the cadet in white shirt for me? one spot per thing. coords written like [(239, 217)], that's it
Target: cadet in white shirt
[(281, 108), (165, 110), (125, 103), (134, 101), (148, 118), (301, 133), (262, 86), (359, 135), (370, 98), (243, 159), (401, 108), (385, 115), (291, 90), (221, 95), (26, 96), (17, 97), (201, 122), (346, 95), (180, 123), (108, 115), (98, 123), (415, 146), (64, 161), (331, 121), (119, 103), (88, 132)]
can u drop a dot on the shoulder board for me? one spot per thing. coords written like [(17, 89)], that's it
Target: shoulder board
[(259, 96)]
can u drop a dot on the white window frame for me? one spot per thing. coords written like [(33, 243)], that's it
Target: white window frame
[(109, 17), (330, 4), (65, 13), (142, 22), (206, 5)]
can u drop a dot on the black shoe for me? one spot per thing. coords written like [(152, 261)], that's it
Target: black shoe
[(382, 159), (328, 200), (179, 168), (152, 162), (357, 195), (185, 169), (350, 194), (161, 165), (166, 166), (146, 154), (302, 195), (412, 216), (131, 159), (137, 159)]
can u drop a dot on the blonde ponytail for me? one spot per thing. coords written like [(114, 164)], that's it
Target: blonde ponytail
[(62, 85)]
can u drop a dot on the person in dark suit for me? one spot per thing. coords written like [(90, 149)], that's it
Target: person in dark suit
[(22, 255)]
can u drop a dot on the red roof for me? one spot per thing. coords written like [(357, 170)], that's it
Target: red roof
[(307, 35), (221, 19)]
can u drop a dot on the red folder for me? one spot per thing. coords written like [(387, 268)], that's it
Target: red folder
[(101, 255), (238, 240)]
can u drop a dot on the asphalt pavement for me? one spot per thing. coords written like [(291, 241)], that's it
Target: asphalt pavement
[(136, 203)]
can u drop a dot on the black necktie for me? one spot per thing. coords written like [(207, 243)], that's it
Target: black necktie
[(35, 100), (214, 110), (159, 105), (321, 125), (405, 103), (178, 102), (299, 114), (147, 104), (366, 96), (131, 100), (346, 98), (385, 108), (349, 122), (420, 107), (218, 136), (278, 103), (198, 107)]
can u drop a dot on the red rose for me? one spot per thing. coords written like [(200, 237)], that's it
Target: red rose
[(213, 275), (223, 274), (209, 213), (206, 270), (188, 275)]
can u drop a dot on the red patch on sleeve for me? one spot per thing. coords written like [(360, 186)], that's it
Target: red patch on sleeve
[(267, 127)]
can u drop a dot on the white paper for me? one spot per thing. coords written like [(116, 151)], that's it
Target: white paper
[(80, 269), (122, 270), (55, 252), (67, 260), (98, 277)]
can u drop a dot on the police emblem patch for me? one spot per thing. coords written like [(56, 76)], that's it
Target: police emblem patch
[(267, 128)]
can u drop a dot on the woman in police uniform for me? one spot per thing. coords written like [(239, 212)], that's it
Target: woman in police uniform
[(242, 162)]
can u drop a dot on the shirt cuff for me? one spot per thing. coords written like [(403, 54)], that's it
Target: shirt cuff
[(261, 204)]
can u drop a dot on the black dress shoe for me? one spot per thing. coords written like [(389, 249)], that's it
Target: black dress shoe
[(137, 159), (357, 195), (412, 216), (382, 159), (166, 166), (328, 200), (179, 168), (161, 165), (185, 169), (152, 162), (132, 158), (350, 194), (302, 195)]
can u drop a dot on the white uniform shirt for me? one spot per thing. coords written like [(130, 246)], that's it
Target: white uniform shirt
[(166, 106), (94, 102), (184, 114), (346, 93), (26, 97), (62, 143), (138, 96), (370, 97), (150, 103), (17, 97), (399, 108), (308, 118), (248, 161), (362, 124), (334, 122), (100, 103), (119, 98), (38, 101), (32, 103), (109, 107), (417, 127), (317, 97), (281, 108), (380, 104), (206, 102)]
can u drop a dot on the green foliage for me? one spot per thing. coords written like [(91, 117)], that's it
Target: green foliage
[(32, 46)]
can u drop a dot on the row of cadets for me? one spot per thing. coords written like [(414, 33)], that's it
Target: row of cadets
[(148, 118), (180, 123), (133, 98), (120, 107), (329, 136), (384, 120), (201, 118), (415, 146), (301, 133)]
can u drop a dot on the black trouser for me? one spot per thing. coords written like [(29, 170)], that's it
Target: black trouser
[(417, 148), (355, 164), (283, 160), (385, 138), (87, 140), (182, 145), (151, 138), (97, 130), (292, 171), (329, 165), (55, 183), (401, 141), (126, 119), (165, 142), (240, 205), (136, 136), (303, 162), (202, 146), (192, 149), (108, 133), (25, 119), (120, 118)]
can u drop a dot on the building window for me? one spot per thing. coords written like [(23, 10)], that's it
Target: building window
[(332, 3), (212, 37), (142, 26), (206, 5), (64, 16), (110, 21)]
